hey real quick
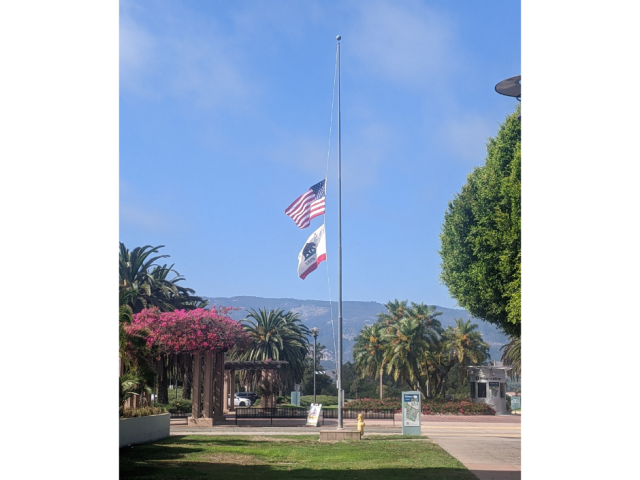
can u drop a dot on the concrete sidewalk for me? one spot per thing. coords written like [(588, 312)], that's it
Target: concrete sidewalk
[(489, 446), (491, 450)]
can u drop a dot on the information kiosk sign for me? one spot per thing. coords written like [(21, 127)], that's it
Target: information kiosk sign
[(411, 411)]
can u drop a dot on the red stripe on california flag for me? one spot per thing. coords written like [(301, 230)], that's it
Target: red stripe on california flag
[(319, 260)]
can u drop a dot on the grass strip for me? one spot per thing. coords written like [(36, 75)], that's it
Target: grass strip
[(290, 457)]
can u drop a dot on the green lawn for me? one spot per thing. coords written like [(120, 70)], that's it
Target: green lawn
[(290, 457)]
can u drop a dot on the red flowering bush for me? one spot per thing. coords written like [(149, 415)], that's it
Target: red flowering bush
[(431, 406), (189, 331)]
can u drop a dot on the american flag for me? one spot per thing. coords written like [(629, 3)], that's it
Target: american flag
[(308, 205)]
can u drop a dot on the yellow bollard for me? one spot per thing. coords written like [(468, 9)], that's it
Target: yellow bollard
[(360, 427)]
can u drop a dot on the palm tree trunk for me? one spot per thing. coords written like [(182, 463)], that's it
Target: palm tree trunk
[(380, 384)]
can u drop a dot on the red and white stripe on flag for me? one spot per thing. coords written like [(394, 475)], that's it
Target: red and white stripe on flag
[(308, 205)]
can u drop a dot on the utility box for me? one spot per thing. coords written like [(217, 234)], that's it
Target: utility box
[(295, 398)]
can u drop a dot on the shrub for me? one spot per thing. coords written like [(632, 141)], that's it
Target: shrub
[(141, 412), (439, 406), (179, 406), (431, 406), (280, 399), (307, 400), (374, 404)]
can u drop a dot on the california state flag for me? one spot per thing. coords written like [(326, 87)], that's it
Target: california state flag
[(313, 252)]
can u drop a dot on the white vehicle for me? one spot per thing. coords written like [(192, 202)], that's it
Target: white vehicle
[(241, 402)]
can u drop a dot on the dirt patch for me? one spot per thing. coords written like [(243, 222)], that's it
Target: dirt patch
[(232, 458), (274, 439)]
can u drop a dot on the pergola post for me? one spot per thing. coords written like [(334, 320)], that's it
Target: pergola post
[(232, 390), (225, 397), (195, 384), (208, 385), (218, 397)]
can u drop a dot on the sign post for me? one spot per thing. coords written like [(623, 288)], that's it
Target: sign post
[(411, 413)]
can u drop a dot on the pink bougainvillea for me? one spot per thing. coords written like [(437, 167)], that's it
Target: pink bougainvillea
[(190, 331)]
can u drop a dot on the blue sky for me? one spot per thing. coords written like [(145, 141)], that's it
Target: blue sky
[(225, 109)]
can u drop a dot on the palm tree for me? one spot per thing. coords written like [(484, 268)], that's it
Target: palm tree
[(462, 345), (466, 344), (149, 284), (511, 357), (136, 375), (132, 346), (368, 352), (426, 314), (395, 311), (407, 343), (275, 335)]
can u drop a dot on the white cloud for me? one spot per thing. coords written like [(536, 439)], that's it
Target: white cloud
[(368, 148), (137, 210), (407, 42), (467, 135), (136, 49), (305, 153), (188, 58)]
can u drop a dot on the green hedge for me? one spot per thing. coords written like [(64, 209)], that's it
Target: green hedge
[(325, 400), (374, 404)]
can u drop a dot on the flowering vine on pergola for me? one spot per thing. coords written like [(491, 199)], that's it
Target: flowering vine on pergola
[(190, 331)]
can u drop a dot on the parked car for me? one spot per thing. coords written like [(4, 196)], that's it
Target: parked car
[(241, 401), (253, 396)]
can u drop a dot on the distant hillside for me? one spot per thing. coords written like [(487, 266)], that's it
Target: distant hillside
[(317, 313)]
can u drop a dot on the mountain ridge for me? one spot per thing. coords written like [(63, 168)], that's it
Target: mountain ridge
[(355, 315)]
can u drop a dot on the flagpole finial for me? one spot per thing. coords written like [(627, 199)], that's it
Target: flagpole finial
[(338, 38)]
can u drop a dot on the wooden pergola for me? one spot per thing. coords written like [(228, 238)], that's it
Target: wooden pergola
[(217, 381)]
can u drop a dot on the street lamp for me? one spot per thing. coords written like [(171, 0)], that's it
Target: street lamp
[(510, 87), (314, 332)]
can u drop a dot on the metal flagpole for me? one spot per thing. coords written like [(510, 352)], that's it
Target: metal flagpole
[(339, 382)]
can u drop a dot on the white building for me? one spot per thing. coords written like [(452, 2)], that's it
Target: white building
[(488, 385)]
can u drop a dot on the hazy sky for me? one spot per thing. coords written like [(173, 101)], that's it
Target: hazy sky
[(225, 109)]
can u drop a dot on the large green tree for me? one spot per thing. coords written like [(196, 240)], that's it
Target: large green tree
[(480, 238)]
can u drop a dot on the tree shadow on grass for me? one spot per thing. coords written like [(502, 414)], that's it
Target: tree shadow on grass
[(188, 470)]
